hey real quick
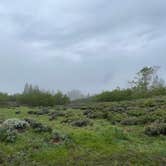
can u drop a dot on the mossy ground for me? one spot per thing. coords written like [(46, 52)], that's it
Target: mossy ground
[(100, 144)]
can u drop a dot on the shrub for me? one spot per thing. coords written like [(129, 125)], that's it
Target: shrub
[(95, 114), (38, 127), (130, 121), (42, 128), (156, 129), (136, 112), (147, 119), (15, 124), (149, 103), (116, 117), (86, 112), (43, 111), (55, 114), (81, 123), (7, 135), (59, 138)]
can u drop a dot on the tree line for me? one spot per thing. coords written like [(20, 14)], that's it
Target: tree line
[(33, 96), (145, 84)]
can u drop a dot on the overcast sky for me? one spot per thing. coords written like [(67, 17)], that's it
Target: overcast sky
[(91, 45)]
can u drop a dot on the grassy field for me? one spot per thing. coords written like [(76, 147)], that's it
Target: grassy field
[(95, 134)]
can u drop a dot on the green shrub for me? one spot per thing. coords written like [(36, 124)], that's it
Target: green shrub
[(15, 124), (136, 112), (149, 103), (81, 123), (38, 127), (55, 114), (59, 138), (42, 128), (156, 129), (43, 111), (7, 135), (96, 114), (130, 121), (116, 117)]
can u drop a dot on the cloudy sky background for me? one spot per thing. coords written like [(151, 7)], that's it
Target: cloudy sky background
[(91, 45)]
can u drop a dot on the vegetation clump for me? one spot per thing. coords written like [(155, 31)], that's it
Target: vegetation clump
[(55, 114), (7, 135), (131, 121), (15, 124), (37, 126), (43, 111), (81, 123), (58, 137), (156, 129)]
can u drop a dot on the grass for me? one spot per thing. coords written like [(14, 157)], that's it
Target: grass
[(100, 144)]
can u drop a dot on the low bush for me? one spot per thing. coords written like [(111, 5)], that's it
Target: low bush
[(149, 103), (43, 111), (136, 112), (95, 114), (81, 123), (38, 127), (15, 124), (140, 120), (156, 129), (131, 121), (59, 138), (7, 135), (115, 118), (54, 115)]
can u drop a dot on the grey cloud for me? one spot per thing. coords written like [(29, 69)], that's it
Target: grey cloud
[(88, 45)]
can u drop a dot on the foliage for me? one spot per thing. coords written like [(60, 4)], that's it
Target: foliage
[(33, 96), (131, 121), (58, 137), (146, 84), (7, 135), (15, 124), (37, 126), (156, 129), (99, 144), (81, 123), (41, 98)]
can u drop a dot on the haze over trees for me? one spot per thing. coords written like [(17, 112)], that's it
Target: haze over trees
[(146, 83), (75, 94)]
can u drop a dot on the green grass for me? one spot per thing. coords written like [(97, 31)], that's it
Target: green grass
[(101, 144)]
